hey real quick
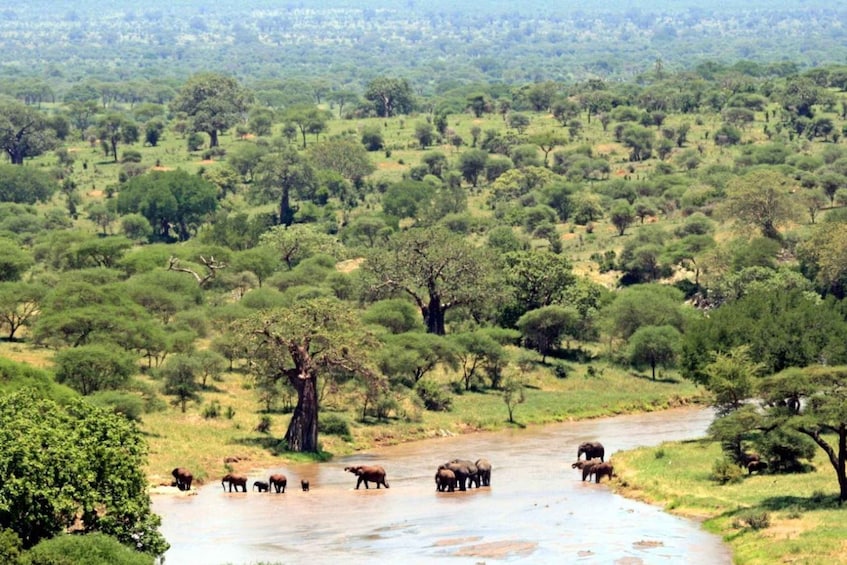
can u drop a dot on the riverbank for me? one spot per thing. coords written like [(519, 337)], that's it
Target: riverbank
[(764, 518), (203, 445)]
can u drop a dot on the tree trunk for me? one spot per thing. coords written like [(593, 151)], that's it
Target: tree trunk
[(842, 468), (302, 434), (286, 215), (653, 366), (433, 315)]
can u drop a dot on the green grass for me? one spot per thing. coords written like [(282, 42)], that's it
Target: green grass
[(806, 523)]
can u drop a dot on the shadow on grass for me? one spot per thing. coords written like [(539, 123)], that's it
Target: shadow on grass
[(667, 380), (278, 446), (818, 501)]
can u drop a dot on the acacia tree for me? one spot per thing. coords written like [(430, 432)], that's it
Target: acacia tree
[(390, 96), (213, 103), (300, 344), (813, 401), (654, 345), (24, 131), (283, 175), (439, 269), (760, 199)]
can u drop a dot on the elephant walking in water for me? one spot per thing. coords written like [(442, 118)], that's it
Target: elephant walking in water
[(445, 479), (183, 478), (262, 486), (483, 468), (368, 473), (278, 482), (236, 481), (587, 467), (591, 449)]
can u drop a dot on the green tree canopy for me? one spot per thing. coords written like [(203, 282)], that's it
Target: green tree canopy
[(24, 131), (213, 103), (390, 96), (25, 185), (73, 466), (95, 367), (170, 200)]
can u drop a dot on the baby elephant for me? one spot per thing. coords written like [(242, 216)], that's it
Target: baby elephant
[(368, 473), (587, 467), (304, 484), (445, 479), (261, 485), (603, 469)]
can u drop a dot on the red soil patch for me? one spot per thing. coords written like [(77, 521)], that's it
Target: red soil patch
[(162, 168), (96, 193), (386, 166), (207, 162)]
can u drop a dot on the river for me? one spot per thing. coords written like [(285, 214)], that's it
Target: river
[(537, 510)]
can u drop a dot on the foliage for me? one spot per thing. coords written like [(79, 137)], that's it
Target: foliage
[(213, 102), (654, 346), (299, 344), (92, 368), (169, 200), (92, 549), (726, 471), (434, 395), (25, 185), (73, 465), (180, 374)]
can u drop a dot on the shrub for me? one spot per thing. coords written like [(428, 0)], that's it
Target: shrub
[(336, 425), (212, 410), (129, 405), (91, 549), (725, 471), (434, 397), (131, 156), (755, 519)]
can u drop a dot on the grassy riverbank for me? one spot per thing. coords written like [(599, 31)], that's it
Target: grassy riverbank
[(201, 444), (796, 517)]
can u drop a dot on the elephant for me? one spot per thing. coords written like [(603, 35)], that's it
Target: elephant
[(183, 478), (262, 486), (236, 481), (603, 469), (304, 484), (278, 482), (445, 479), (587, 467), (756, 465), (368, 473), (466, 472), (483, 467), (747, 458), (591, 449)]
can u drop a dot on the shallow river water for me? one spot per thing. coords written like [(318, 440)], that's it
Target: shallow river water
[(537, 510)]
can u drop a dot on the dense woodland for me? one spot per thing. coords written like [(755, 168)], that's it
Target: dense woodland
[(380, 235)]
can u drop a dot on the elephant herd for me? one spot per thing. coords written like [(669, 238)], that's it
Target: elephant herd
[(460, 474), (463, 473), (594, 462)]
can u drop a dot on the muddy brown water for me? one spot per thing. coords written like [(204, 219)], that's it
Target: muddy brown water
[(537, 510)]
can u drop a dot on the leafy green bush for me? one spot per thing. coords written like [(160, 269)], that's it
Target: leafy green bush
[(725, 471), (336, 425), (129, 405), (434, 397), (91, 549), (212, 410)]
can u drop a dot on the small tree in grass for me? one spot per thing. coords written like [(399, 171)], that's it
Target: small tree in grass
[(180, 373), (513, 394)]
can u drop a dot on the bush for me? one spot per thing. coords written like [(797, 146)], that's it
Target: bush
[(131, 156), (334, 424), (725, 471), (91, 549), (434, 397), (129, 405), (755, 519), (212, 410)]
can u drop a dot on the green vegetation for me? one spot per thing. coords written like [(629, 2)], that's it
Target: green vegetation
[(469, 234), (765, 518)]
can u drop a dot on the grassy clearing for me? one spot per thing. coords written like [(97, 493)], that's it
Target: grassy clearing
[(806, 524)]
